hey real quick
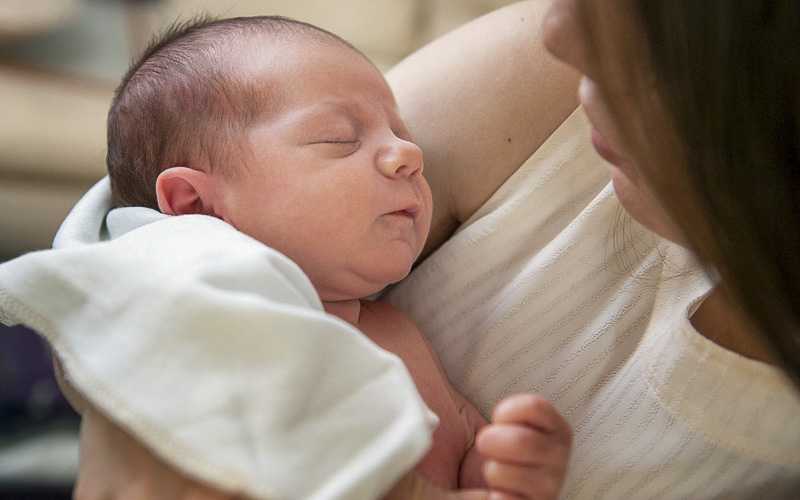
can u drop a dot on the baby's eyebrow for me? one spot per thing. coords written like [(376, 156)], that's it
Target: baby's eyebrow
[(327, 110), (331, 105), (351, 112), (320, 110)]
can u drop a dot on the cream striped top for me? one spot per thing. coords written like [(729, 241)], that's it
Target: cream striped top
[(550, 288)]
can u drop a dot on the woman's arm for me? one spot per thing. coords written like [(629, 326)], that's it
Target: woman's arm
[(114, 465), (479, 101)]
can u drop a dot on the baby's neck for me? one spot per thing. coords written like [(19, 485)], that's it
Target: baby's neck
[(348, 310)]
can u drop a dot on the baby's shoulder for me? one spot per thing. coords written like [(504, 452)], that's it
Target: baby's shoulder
[(387, 325), (383, 311)]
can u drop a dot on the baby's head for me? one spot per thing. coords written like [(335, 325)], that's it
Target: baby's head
[(287, 133), (191, 96)]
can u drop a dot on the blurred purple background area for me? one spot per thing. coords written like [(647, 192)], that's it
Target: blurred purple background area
[(38, 428), (28, 389)]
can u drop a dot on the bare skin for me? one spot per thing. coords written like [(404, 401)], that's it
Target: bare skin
[(453, 462)]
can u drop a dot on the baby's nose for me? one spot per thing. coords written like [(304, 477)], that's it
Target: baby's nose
[(400, 158)]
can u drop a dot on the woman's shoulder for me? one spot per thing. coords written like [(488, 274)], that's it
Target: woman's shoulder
[(478, 114)]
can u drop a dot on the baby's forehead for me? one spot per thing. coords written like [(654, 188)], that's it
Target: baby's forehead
[(265, 47), (289, 65), (271, 60)]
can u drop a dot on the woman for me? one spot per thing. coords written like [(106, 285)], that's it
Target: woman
[(719, 152), (674, 375)]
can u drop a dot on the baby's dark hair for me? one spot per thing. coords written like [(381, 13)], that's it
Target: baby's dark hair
[(183, 102)]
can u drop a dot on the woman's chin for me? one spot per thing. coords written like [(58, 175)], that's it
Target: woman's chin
[(643, 207)]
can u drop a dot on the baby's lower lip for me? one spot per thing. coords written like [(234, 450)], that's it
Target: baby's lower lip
[(403, 213)]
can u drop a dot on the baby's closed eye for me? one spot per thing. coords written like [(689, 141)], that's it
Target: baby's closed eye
[(338, 147), (353, 141)]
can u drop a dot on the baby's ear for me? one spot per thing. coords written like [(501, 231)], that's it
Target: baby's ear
[(183, 191)]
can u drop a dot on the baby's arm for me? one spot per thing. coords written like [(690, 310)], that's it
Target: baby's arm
[(527, 448)]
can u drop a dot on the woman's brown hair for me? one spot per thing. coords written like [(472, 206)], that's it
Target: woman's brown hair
[(728, 74)]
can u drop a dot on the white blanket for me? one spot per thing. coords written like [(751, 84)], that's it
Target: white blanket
[(214, 350)]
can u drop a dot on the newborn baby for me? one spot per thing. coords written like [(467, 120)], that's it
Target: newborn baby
[(293, 137)]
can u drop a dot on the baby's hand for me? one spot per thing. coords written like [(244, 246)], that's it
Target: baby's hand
[(527, 448)]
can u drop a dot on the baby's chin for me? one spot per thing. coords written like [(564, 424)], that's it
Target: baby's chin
[(362, 285), (384, 280)]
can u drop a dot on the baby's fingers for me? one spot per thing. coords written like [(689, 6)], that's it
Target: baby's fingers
[(517, 444), (528, 430), (532, 410), (527, 447), (523, 462)]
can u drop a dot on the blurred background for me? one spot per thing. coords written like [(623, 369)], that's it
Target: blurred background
[(60, 61)]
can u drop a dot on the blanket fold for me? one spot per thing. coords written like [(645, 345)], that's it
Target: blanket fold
[(214, 351)]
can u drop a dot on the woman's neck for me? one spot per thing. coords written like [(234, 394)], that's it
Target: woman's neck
[(717, 321)]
